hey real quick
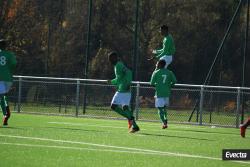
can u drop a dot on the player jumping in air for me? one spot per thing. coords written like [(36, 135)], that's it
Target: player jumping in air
[(7, 66), (168, 49), (243, 127), (162, 79), (121, 100)]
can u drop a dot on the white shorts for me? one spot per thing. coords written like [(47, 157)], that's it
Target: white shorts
[(5, 87), (168, 59), (121, 98), (161, 101)]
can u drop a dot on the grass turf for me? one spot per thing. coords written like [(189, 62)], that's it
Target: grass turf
[(34, 140)]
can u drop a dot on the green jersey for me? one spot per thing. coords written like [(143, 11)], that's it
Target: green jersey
[(168, 47), (7, 65), (163, 79), (123, 77)]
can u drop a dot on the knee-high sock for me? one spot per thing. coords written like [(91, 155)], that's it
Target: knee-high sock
[(4, 104), (120, 111), (166, 114), (162, 114), (246, 123), (130, 114)]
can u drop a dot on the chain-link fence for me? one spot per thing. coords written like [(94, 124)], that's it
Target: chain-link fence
[(196, 104)]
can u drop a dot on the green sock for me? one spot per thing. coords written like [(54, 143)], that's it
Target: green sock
[(166, 115), (120, 111), (130, 114), (162, 114), (4, 104)]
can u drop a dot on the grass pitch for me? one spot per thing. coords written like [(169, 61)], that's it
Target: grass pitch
[(34, 140)]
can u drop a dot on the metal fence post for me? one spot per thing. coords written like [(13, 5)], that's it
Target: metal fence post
[(77, 96), (19, 94), (137, 101), (201, 103), (237, 123)]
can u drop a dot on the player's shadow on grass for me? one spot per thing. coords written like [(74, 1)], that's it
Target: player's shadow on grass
[(74, 129), (7, 127), (12, 127), (71, 129), (203, 131), (182, 137)]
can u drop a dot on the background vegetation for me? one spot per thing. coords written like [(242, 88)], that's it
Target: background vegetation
[(49, 37)]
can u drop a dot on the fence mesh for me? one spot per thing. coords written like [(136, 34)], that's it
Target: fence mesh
[(60, 97)]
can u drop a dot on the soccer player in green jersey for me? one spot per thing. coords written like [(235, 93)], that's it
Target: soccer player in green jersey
[(243, 127), (168, 49), (7, 66), (121, 100), (162, 79)]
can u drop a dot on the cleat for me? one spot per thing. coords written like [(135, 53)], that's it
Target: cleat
[(165, 126), (5, 121), (7, 116), (135, 129), (130, 123), (242, 131)]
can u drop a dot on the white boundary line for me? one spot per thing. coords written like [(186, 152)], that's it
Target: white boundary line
[(122, 149), (97, 125), (101, 126), (79, 148), (117, 127)]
